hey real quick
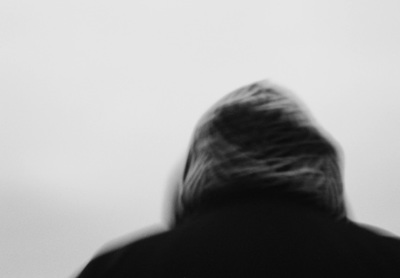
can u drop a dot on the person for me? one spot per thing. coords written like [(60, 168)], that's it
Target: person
[(261, 195)]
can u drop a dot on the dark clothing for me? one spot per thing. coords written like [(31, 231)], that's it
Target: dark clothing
[(255, 236)]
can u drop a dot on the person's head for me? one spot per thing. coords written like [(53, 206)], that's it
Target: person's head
[(260, 137)]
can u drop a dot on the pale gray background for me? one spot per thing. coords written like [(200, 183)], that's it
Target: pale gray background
[(98, 100)]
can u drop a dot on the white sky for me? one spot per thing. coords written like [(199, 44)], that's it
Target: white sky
[(98, 100)]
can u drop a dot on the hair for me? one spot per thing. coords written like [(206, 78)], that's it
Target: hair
[(259, 136)]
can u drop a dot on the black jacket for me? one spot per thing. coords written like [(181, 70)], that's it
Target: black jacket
[(255, 236)]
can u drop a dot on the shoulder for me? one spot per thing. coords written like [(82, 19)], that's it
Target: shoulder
[(115, 253), (373, 236)]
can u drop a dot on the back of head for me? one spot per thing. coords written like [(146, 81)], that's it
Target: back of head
[(260, 137)]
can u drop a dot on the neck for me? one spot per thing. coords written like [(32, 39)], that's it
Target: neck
[(234, 195)]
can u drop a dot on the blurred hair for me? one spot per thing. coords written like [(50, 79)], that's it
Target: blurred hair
[(260, 137)]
